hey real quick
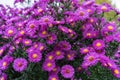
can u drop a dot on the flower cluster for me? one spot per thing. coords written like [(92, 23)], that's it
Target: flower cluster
[(53, 34)]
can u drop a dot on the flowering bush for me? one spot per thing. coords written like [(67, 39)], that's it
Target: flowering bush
[(59, 40)]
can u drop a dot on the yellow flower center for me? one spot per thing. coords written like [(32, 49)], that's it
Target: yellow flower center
[(27, 42), (89, 10), (88, 34), (34, 55), (54, 78), (4, 63), (85, 50), (10, 31), (22, 32), (116, 71), (98, 44), (58, 53), (110, 27), (50, 57), (32, 25), (49, 64), (104, 8), (2, 78), (46, 19), (44, 32), (40, 10), (41, 48), (1, 51), (90, 58), (19, 64), (69, 56), (54, 69), (81, 13)]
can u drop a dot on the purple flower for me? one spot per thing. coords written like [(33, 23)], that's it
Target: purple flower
[(116, 72), (110, 27), (34, 56), (67, 71), (53, 77), (84, 50), (59, 54), (71, 55), (3, 76), (64, 45), (91, 58), (48, 65), (10, 31), (46, 20), (117, 36), (81, 13), (20, 64), (50, 56), (27, 42), (51, 38), (98, 44), (4, 64)]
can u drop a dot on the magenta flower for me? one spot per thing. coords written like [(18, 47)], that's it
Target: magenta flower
[(58, 54), (116, 72), (53, 77), (67, 71), (20, 64), (48, 65), (35, 56), (117, 36), (64, 45), (98, 44)]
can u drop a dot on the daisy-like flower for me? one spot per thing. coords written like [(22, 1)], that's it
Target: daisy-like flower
[(63, 29), (4, 64), (50, 56), (41, 47), (35, 56), (84, 50), (43, 33), (46, 20), (116, 72), (48, 65), (67, 71), (10, 31), (51, 38), (91, 59), (104, 8), (53, 77), (1, 51), (117, 36), (64, 45), (3, 76), (59, 54), (55, 70), (20, 64), (27, 42), (98, 44), (110, 27), (81, 13), (71, 55)]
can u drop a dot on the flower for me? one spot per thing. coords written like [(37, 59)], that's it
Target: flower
[(110, 27), (71, 55), (10, 31), (51, 38), (84, 50), (20, 64), (98, 44), (91, 58), (4, 64), (3, 76), (117, 36), (48, 65), (64, 45), (67, 71), (81, 13), (59, 54), (53, 77), (34, 56), (116, 72), (27, 42)]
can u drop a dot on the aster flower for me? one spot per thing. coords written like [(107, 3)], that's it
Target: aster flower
[(84, 50), (50, 56), (67, 71), (71, 55), (43, 33), (64, 45), (55, 70), (51, 38), (48, 65), (20, 64), (10, 31), (116, 72), (41, 47), (46, 20), (117, 36), (81, 13), (53, 77), (27, 42), (3, 76), (91, 58), (58, 54), (4, 64), (35, 56), (110, 27), (98, 44)]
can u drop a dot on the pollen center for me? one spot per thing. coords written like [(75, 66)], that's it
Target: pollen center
[(50, 57), (85, 50), (35, 56), (58, 53), (54, 78), (4, 63), (104, 8), (10, 31), (44, 32), (49, 64), (91, 58), (81, 13), (110, 27), (116, 71), (98, 44)]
